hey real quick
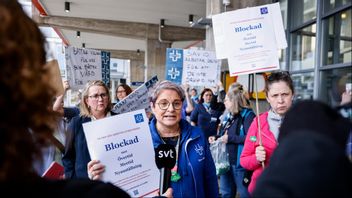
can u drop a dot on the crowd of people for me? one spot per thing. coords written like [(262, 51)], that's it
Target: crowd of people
[(293, 149)]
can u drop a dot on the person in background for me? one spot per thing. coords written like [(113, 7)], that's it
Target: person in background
[(205, 116), (279, 93), (95, 105), (122, 91), (194, 96), (67, 112), (55, 152), (233, 131), (194, 172), (26, 121), (310, 160)]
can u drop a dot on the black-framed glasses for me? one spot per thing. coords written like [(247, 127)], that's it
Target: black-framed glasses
[(164, 104), (275, 76), (96, 96)]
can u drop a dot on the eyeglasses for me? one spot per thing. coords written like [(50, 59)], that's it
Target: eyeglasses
[(96, 96), (164, 104)]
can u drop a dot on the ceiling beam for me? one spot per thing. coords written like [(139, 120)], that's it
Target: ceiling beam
[(122, 28), (125, 54)]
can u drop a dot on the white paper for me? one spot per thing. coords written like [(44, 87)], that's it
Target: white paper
[(200, 68), (138, 99), (124, 145), (250, 50)]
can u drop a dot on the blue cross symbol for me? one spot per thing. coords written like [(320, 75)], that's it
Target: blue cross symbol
[(173, 73), (174, 55)]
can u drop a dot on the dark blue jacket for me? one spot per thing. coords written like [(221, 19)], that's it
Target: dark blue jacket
[(76, 155), (195, 163), (237, 134), (208, 122)]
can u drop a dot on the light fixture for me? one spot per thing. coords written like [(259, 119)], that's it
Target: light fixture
[(78, 34), (138, 52), (162, 23), (190, 19), (67, 6), (83, 45)]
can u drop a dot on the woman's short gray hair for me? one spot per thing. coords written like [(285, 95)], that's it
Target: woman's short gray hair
[(165, 85)]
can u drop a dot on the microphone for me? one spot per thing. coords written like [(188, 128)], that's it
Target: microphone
[(165, 159)]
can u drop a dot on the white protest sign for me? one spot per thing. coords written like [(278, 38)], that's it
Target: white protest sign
[(138, 99), (83, 65), (200, 68), (252, 38), (123, 144)]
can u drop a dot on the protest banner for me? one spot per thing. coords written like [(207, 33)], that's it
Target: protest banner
[(138, 99), (192, 67), (84, 65), (124, 146), (249, 38)]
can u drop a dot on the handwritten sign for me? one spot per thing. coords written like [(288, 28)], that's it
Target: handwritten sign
[(138, 99), (84, 65), (193, 67), (249, 38), (124, 145), (200, 68)]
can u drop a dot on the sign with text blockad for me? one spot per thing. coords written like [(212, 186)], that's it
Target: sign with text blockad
[(123, 143), (250, 38), (193, 67), (84, 65)]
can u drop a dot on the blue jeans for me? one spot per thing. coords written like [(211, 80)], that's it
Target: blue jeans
[(231, 182)]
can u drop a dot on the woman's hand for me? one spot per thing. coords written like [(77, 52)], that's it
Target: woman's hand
[(225, 138), (95, 169), (260, 153), (168, 193), (211, 139)]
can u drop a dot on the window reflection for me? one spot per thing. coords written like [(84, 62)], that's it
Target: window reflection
[(303, 11), (303, 48), (338, 39), (332, 4), (333, 84), (304, 85)]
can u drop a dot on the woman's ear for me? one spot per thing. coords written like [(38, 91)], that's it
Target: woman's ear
[(152, 107)]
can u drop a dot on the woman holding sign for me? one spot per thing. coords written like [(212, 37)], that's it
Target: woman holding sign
[(194, 174), (96, 104), (258, 148)]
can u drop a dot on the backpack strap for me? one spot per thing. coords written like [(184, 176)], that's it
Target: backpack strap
[(57, 143)]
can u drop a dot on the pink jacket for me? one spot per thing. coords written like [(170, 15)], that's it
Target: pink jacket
[(248, 159)]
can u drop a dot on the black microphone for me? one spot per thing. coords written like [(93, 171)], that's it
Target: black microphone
[(165, 159)]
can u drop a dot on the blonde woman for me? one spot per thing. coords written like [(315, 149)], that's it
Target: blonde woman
[(95, 104)]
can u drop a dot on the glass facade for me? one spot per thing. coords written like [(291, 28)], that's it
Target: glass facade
[(338, 44), (320, 47), (303, 48)]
